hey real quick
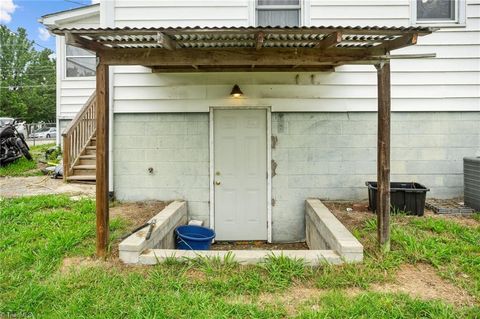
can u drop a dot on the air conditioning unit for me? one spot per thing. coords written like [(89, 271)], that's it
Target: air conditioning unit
[(471, 181)]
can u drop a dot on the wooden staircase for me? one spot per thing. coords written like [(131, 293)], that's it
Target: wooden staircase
[(79, 145)]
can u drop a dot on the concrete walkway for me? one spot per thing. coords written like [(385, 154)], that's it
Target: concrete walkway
[(41, 185)]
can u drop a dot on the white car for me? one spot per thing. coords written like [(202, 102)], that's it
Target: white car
[(44, 132)]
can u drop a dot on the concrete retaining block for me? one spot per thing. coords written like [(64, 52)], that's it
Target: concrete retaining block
[(325, 231), (173, 215)]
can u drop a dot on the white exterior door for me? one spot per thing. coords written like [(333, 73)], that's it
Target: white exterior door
[(240, 174)]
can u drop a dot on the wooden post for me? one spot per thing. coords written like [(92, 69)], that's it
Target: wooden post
[(102, 159), (383, 156)]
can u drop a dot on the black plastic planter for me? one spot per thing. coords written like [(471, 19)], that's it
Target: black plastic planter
[(406, 197)]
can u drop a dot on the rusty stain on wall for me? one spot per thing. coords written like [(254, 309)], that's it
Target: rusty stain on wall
[(274, 141), (274, 168)]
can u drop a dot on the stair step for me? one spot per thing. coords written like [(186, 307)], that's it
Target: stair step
[(91, 147), (84, 167), (87, 161), (81, 178), (93, 156), (93, 138)]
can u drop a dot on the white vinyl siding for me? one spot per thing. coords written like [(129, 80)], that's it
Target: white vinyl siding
[(74, 91), (181, 13), (447, 83), (450, 82)]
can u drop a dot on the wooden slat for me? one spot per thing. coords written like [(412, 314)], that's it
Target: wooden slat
[(400, 42), (383, 156), (330, 41), (259, 38), (166, 42), (77, 41), (102, 160)]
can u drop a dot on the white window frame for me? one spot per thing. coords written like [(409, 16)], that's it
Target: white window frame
[(75, 56), (459, 21), (303, 11)]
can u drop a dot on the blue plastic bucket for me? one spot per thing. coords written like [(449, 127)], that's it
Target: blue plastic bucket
[(191, 237)]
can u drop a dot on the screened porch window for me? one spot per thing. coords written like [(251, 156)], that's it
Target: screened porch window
[(283, 13), (79, 62)]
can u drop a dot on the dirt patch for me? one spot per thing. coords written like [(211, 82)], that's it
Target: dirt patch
[(421, 281), (352, 214), (196, 275), (292, 298), (258, 245), (41, 185), (71, 263), (136, 213)]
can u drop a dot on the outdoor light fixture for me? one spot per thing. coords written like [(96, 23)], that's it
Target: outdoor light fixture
[(236, 92)]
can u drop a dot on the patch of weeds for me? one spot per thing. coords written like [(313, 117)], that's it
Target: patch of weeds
[(283, 270), (24, 167), (378, 305), (354, 275), (476, 216), (216, 264), (21, 167)]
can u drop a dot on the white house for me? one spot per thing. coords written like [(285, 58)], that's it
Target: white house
[(312, 134)]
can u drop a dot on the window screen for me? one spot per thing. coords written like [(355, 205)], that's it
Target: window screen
[(79, 62), (284, 13), (436, 10)]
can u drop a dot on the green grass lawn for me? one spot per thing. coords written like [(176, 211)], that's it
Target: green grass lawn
[(24, 167), (38, 233)]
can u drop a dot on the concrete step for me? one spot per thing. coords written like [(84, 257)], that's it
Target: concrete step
[(83, 178)]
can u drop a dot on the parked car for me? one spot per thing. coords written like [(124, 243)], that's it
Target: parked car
[(19, 125), (44, 132)]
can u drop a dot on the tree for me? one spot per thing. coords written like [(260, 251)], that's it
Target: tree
[(27, 78)]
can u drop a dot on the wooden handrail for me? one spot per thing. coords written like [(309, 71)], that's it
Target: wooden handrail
[(80, 114), (77, 135)]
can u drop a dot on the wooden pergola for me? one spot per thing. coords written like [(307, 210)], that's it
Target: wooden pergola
[(244, 49)]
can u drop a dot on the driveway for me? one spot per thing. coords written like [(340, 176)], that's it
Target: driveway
[(41, 185)]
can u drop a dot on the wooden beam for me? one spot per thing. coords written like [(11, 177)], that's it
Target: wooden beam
[(232, 56), (102, 160), (79, 42), (400, 42), (331, 40), (259, 38), (188, 69), (383, 156), (166, 42)]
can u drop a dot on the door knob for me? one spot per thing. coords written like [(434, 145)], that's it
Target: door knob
[(217, 182)]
